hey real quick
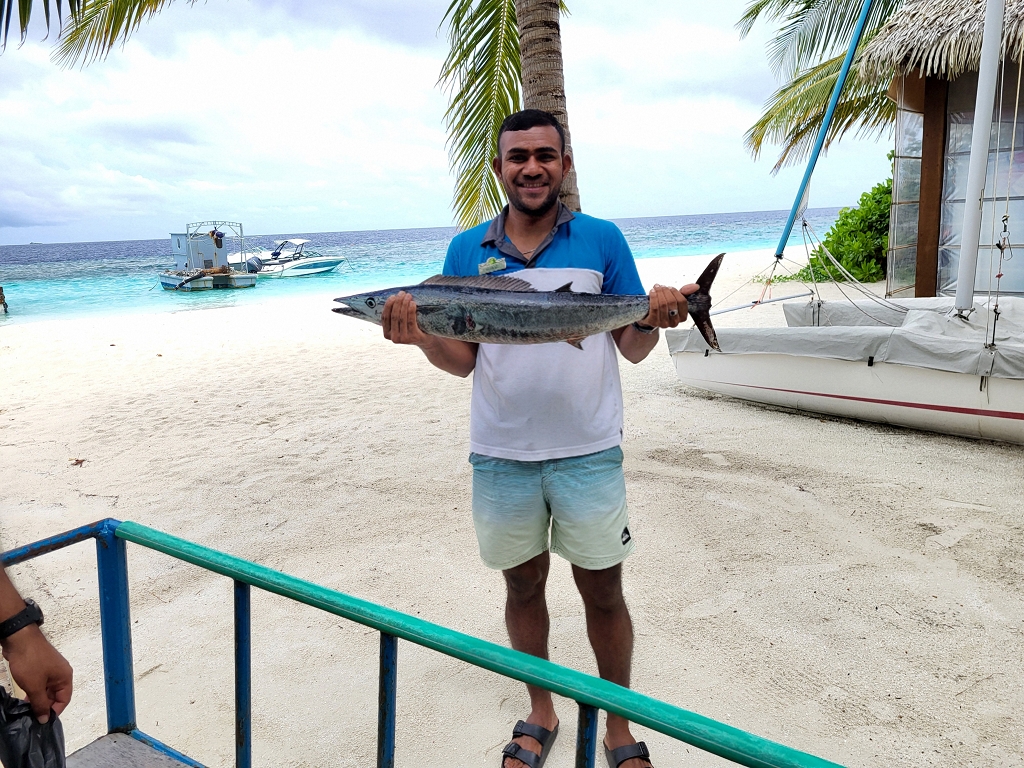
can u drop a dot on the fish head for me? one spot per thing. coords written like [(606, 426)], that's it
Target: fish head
[(366, 306)]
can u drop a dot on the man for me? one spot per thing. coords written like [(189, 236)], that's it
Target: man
[(36, 666), (546, 420)]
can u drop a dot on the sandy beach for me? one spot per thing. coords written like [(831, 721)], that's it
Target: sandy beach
[(851, 590)]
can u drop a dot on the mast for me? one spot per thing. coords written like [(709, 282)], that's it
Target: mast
[(988, 71), (800, 204)]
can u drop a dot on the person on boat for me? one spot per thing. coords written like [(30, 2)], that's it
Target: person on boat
[(546, 420), (36, 666)]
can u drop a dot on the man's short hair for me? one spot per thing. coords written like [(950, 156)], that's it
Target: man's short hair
[(531, 118)]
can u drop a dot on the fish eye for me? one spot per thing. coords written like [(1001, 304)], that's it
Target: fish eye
[(371, 302)]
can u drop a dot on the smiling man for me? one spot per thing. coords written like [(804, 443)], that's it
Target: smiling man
[(546, 420)]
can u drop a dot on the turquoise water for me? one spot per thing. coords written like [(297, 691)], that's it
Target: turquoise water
[(48, 281)]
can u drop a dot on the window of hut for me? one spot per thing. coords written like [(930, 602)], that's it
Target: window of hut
[(1004, 179), (906, 187)]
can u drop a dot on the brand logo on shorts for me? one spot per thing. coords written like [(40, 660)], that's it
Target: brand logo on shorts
[(625, 536)]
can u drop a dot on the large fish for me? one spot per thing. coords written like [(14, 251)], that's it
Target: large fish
[(508, 310)]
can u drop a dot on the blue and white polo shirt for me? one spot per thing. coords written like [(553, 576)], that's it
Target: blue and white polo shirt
[(533, 402)]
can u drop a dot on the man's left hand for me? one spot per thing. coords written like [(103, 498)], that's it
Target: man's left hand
[(668, 305), (40, 670)]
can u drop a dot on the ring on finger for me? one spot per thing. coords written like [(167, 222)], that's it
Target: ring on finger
[(673, 312)]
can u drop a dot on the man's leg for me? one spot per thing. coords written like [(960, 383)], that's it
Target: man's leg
[(611, 636), (526, 616)]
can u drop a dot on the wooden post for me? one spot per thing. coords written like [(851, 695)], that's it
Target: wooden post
[(933, 150)]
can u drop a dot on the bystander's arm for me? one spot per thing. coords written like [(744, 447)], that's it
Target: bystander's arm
[(668, 309), (401, 327), (36, 666)]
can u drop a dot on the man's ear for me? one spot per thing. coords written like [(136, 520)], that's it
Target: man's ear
[(566, 164), (496, 166)]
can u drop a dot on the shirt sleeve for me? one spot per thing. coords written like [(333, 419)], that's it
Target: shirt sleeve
[(451, 260), (620, 274)]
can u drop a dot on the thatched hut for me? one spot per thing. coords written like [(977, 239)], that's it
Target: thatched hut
[(931, 49)]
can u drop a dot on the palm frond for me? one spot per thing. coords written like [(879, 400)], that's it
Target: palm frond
[(24, 11), (482, 76), (99, 25), (795, 112), (810, 30)]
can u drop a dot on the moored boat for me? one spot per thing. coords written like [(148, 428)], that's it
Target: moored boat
[(201, 258)]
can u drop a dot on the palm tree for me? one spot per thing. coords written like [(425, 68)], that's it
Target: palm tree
[(807, 52), (504, 55)]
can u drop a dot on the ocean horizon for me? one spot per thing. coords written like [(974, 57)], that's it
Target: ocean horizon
[(115, 277)]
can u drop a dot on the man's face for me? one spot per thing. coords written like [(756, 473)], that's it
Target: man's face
[(531, 167)]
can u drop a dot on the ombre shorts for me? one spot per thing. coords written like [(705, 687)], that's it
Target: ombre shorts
[(576, 507)]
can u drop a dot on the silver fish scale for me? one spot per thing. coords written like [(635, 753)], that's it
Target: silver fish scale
[(523, 318)]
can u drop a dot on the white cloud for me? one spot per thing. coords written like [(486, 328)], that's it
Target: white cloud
[(306, 117)]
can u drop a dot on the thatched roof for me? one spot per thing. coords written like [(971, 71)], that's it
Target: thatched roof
[(938, 37)]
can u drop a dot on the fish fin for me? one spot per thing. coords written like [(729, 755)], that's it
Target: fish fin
[(576, 342), (702, 320), (707, 277), (488, 282), (567, 288)]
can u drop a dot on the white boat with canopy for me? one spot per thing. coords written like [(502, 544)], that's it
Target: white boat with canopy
[(290, 258), (948, 364)]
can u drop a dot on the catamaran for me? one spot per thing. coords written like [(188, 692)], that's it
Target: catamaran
[(949, 359)]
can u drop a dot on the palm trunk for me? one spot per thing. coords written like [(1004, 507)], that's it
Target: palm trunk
[(540, 50)]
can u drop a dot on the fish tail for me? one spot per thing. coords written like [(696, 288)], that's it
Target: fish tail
[(702, 317)]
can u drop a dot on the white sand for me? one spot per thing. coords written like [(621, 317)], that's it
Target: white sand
[(848, 589)]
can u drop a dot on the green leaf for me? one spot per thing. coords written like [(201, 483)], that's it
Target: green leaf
[(795, 112), (96, 26), (482, 76)]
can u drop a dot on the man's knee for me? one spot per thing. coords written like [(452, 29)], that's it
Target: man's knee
[(600, 590), (526, 581)]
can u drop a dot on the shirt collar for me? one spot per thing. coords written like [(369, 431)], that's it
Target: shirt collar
[(495, 233)]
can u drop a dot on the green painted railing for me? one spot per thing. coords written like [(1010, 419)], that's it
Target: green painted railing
[(702, 732)]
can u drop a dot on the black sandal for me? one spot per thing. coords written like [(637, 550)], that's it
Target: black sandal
[(527, 756), (617, 757)]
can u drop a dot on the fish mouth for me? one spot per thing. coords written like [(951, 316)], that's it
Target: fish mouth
[(348, 311)]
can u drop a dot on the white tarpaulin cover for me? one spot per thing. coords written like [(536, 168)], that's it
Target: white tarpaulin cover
[(926, 339)]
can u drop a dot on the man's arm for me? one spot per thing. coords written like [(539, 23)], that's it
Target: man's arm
[(401, 327), (668, 309), (36, 666)]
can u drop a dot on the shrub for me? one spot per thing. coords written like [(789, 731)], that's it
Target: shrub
[(859, 240)]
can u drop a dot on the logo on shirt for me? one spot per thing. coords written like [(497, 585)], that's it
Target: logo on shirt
[(492, 265), (625, 536)]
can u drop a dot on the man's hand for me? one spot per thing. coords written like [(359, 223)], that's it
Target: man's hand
[(668, 305), (44, 675), (400, 323)]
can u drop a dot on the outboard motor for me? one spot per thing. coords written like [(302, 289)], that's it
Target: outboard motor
[(253, 265)]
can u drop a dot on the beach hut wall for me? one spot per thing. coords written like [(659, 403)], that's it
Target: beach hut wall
[(938, 38)]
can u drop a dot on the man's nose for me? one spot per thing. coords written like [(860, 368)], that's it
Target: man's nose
[(531, 167)]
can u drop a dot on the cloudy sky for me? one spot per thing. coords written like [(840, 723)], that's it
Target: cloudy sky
[(309, 116)]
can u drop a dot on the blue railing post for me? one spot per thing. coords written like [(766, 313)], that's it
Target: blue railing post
[(243, 676), (116, 629), (387, 701), (586, 737)]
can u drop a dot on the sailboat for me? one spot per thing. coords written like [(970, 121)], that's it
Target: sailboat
[(947, 363)]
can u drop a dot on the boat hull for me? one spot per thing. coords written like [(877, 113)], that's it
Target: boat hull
[(936, 401), (301, 268), (170, 282)]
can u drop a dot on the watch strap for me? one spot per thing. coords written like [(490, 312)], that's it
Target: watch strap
[(643, 328), (30, 614)]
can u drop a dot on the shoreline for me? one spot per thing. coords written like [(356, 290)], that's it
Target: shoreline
[(676, 270)]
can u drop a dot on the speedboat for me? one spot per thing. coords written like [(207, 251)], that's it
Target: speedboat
[(290, 258)]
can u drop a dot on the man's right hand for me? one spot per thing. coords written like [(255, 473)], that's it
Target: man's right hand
[(400, 323), (40, 670)]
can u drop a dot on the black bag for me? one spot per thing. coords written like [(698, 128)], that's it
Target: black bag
[(24, 741)]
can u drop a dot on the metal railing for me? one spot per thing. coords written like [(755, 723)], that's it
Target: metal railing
[(590, 693)]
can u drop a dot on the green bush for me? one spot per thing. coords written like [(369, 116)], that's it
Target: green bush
[(859, 240)]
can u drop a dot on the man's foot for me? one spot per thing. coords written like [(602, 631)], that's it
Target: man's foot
[(622, 741), (544, 720)]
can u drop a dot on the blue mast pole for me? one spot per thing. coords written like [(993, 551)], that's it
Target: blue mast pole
[(858, 32)]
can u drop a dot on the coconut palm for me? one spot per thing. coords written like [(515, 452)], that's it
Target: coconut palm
[(807, 52), (504, 55)]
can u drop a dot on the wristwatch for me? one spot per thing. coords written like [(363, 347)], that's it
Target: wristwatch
[(30, 614), (644, 328)]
